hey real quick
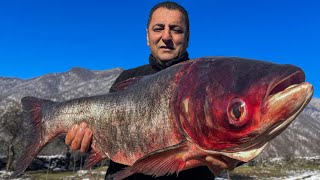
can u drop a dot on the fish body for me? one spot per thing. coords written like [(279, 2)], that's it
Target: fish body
[(170, 121)]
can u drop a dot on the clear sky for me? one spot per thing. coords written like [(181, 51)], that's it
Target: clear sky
[(47, 36)]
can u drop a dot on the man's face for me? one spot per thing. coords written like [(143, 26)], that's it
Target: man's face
[(167, 36)]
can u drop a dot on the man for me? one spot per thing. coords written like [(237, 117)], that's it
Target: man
[(168, 38)]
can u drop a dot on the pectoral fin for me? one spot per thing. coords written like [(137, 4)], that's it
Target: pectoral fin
[(93, 158), (162, 162)]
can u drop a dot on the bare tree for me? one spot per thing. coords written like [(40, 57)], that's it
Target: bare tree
[(11, 131)]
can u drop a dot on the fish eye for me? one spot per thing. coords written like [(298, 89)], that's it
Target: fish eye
[(237, 111)]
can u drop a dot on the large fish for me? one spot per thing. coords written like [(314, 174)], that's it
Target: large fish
[(170, 121)]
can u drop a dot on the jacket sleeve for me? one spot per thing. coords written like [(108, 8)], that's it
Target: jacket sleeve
[(124, 75), (130, 73)]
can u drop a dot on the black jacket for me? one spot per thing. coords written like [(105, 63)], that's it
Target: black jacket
[(203, 172)]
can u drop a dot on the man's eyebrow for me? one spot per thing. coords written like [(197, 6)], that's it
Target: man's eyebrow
[(158, 24), (175, 25)]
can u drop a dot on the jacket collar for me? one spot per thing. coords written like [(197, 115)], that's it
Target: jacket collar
[(164, 64)]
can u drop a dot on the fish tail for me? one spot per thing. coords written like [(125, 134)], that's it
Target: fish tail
[(32, 115)]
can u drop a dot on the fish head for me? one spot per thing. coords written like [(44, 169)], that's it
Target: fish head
[(235, 106)]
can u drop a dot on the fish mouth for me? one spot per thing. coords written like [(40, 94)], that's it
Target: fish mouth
[(287, 97), (289, 81)]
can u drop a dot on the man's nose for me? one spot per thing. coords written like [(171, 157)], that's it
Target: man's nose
[(166, 36)]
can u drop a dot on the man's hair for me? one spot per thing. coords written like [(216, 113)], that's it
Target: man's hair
[(171, 6)]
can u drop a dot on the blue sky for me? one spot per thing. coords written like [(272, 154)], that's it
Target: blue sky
[(47, 36)]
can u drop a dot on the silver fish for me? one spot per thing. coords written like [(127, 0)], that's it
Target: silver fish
[(170, 121)]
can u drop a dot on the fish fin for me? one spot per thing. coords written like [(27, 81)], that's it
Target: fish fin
[(94, 157), (126, 83), (32, 114), (215, 170), (159, 163)]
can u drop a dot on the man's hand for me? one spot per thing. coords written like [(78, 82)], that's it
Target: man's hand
[(219, 163), (216, 163), (79, 137)]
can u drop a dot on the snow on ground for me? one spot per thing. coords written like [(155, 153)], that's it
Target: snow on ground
[(308, 175)]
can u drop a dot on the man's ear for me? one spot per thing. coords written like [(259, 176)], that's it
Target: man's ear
[(147, 37)]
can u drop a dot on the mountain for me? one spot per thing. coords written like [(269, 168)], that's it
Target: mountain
[(59, 86), (301, 139)]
